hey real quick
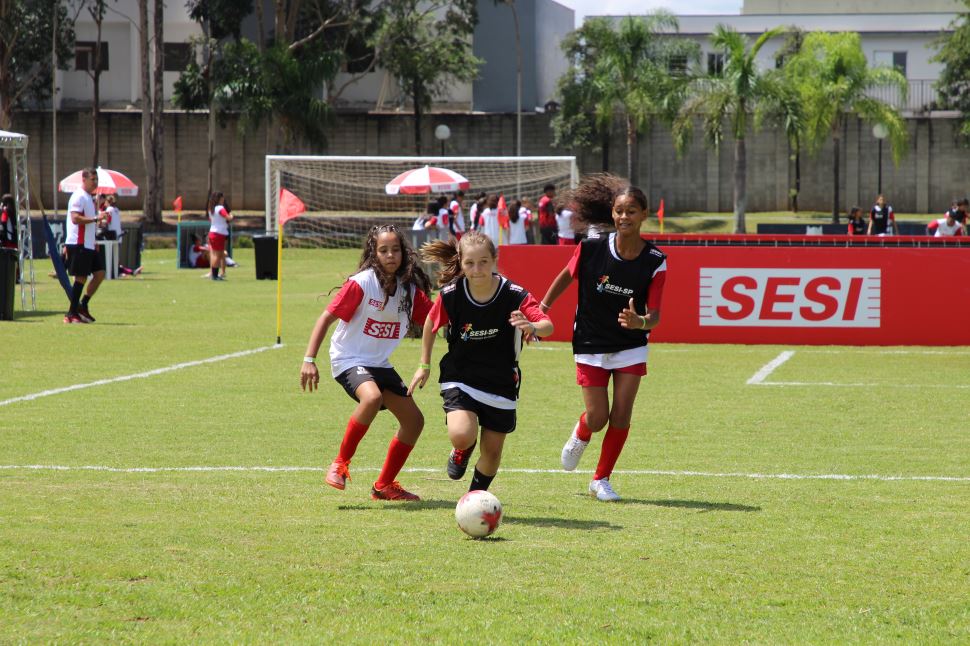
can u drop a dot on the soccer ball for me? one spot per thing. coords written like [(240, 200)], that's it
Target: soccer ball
[(478, 513)]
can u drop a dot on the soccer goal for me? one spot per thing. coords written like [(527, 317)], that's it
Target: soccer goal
[(345, 196)]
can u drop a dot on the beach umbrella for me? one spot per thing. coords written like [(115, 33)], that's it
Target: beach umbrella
[(109, 181), (427, 179)]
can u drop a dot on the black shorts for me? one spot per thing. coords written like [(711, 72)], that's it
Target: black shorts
[(82, 261), (499, 420), (385, 378)]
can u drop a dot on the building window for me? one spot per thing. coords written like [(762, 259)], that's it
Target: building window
[(84, 56), (715, 64), (892, 59), (677, 65), (177, 56)]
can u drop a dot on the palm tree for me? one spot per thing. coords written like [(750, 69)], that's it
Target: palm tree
[(835, 81), (632, 76), (739, 92)]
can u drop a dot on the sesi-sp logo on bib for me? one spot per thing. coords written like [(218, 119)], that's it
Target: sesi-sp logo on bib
[(763, 297), (382, 329), (603, 285)]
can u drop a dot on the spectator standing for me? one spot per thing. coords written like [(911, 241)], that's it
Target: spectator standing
[(946, 226), (475, 212), (219, 219), (442, 220), (958, 210), (457, 219), (857, 225), (8, 222), (489, 224), (548, 229), (82, 258), (519, 219), (882, 219), (564, 225), (427, 219)]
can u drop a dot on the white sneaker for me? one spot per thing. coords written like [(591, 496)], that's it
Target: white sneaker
[(603, 491), (573, 450)]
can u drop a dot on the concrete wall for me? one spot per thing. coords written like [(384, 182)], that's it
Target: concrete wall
[(553, 23), (495, 88), (935, 169), (850, 6)]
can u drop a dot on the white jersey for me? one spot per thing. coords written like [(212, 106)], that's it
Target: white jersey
[(219, 223), (517, 229), (367, 334), (564, 223), (473, 216), (455, 208), (114, 221), (81, 234), (943, 229), (490, 226), (443, 231)]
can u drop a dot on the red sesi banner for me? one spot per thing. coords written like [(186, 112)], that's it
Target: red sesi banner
[(798, 295)]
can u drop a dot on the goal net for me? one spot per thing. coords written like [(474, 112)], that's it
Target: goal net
[(345, 196)]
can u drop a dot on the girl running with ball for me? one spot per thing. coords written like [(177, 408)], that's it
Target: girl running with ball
[(619, 276), (373, 311), (486, 317)]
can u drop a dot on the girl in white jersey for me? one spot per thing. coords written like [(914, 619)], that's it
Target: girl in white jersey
[(619, 275), (373, 312), (487, 318), (218, 234)]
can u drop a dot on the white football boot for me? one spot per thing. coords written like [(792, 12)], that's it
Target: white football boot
[(603, 491), (573, 450)]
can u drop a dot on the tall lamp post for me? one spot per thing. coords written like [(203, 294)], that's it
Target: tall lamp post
[(880, 132), (442, 133)]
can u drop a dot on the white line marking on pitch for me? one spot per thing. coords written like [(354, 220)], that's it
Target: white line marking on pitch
[(858, 385), (140, 375), (637, 472), (759, 377)]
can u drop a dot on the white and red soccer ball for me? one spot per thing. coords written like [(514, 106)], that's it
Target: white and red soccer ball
[(478, 513)]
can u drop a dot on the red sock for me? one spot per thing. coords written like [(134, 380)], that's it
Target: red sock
[(583, 432), (613, 443), (397, 455), (352, 437)]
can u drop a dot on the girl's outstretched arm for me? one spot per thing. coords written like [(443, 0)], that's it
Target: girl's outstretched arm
[(309, 375), (424, 368), (556, 288)]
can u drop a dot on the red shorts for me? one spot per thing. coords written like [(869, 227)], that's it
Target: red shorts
[(217, 241), (595, 377), (567, 241)]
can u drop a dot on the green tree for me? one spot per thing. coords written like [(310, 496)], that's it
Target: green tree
[(97, 10), (26, 68), (835, 79), (953, 85), (790, 113), (426, 45), (629, 74), (741, 92)]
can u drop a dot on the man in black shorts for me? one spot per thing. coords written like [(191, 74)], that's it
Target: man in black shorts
[(82, 258)]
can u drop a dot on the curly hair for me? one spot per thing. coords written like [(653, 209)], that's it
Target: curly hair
[(448, 254), (409, 273), (592, 201)]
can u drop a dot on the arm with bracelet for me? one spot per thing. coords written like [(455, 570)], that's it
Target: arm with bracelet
[(423, 371)]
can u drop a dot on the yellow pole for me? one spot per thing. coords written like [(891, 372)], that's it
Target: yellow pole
[(279, 284)]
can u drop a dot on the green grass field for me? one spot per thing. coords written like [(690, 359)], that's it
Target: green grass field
[(723, 535)]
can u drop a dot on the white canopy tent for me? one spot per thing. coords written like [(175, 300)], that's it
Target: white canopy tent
[(17, 143)]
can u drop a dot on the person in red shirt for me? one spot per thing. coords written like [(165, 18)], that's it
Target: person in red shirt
[(548, 229), (373, 312), (487, 317), (619, 275), (8, 222)]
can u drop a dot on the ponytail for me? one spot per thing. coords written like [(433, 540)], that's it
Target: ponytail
[(448, 254)]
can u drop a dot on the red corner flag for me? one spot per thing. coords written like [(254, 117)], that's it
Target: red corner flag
[(290, 206), (660, 215), (177, 204), (503, 212)]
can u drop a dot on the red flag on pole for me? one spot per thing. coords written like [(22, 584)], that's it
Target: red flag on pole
[(290, 206), (503, 212), (177, 204), (660, 215)]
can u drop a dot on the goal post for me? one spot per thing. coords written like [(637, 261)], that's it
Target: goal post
[(345, 195)]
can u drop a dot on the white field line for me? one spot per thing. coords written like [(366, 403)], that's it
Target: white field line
[(859, 385), (636, 472), (758, 378), (140, 375)]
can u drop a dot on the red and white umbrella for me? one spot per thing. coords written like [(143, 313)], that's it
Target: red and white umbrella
[(109, 181), (427, 179)]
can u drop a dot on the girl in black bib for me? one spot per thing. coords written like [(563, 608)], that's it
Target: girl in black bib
[(619, 276), (486, 317)]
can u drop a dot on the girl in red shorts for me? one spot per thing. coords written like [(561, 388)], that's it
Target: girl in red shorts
[(619, 275), (219, 219)]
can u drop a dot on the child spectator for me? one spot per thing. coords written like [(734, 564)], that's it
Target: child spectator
[(857, 225), (373, 312), (475, 212), (489, 220), (519, 219), (219, 218), (487, 317), (456, 218), (946, 226), (442, 221), (564, 225), (882, 219), (548, 224)]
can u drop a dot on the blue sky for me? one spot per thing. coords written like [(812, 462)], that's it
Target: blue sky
[(636, 7)]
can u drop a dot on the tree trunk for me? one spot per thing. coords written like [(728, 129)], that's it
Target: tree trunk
[(416, 97), (158, 124), (798, 176), (835, 178), (146, 113), (632, 161), (211, 134), (740, 184), (606, 152)]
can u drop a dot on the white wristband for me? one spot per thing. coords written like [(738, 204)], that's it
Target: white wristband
[(309, 359)]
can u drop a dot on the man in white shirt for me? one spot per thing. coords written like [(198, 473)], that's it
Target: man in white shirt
[(82, 258)]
